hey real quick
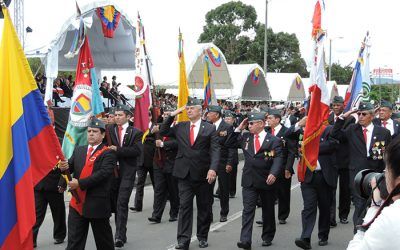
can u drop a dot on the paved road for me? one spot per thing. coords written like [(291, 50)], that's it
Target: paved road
[(143, 235)]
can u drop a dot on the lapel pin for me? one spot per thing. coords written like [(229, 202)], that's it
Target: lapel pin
[(374, 137)]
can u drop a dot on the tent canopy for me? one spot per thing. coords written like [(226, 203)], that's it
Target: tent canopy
[(114, 53), (286, 87), (331, 85), (220, 77), (249, 82)]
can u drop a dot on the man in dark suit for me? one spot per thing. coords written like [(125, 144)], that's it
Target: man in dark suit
[(227, 143), (165, 185), (92, 168), (317, 188), (127, 143), (366, 147), (263, 164), (289, 149), (342, 154), (195, 167), (47, 193), (385, 119), (229, 117)]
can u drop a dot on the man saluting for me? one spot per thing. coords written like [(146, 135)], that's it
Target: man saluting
[(92, 168)]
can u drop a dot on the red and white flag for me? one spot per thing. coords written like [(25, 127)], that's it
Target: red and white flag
[(319, 100)]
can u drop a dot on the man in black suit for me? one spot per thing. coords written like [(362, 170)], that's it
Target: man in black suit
[(229, 117), (227, 143), (127, 143), (342, 154), (289, 149), (385, 119), (92, 168), (195, 167), (165, 185), (317, 188), (47, 193), (366, 148), (263, 164)]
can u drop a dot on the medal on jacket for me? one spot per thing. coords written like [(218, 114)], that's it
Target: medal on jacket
[(378, 149)]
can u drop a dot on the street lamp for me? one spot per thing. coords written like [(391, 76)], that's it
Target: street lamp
[(330, 54)]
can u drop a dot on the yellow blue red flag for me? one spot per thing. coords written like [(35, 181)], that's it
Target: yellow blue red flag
[(28, 143)]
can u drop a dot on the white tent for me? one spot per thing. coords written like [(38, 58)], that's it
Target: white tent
[(286, 87), (249, 82), (116, 53)]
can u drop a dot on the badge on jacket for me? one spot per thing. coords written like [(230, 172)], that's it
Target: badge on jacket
[(223, 133)]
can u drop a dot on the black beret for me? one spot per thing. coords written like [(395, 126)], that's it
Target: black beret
[(96, 123), (337, 99), (228, 113), (214, 108), (111, 111), (122, 107), (386, 104), (274, 112), (194, 102), (259, 116), (365, 106)]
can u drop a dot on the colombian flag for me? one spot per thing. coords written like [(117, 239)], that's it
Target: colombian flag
[(207, 82), (28, 144)]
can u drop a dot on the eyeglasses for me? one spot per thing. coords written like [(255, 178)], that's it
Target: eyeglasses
[(362, 113)]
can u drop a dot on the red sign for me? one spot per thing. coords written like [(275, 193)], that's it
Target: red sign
[(383, 72)]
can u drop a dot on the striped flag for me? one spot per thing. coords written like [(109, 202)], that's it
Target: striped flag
[(209, 94), (28, 143)]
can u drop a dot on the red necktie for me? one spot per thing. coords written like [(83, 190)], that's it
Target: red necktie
[(191, 136), (120, 134), (365, 134), (273, 131), (257, 143), (89, 153), (384, 124)]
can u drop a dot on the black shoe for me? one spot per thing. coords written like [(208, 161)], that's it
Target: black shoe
[(266, 243), (323, 242), (203, 244), (34, 245), (232, 195), (58, 241), (118, 243), (344, 221), (216, 196), (181, 246), (173, 218), (134, 209), (154, 219), (259, 222), (244, 245), (333, 224), (302, 243), (223, 218), (282, 221)]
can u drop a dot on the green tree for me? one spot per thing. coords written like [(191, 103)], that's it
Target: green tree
[(233, 28), (384, 92), (340, 74), (35, 64)]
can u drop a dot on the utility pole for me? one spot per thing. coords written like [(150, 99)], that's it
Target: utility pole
[(19, 20), (265, 38)]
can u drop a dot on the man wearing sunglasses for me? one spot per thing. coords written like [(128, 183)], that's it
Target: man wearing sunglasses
[(367, 144), (385, 119), (262, 165)]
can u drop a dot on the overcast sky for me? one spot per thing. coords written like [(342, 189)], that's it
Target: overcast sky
[(349, 19)]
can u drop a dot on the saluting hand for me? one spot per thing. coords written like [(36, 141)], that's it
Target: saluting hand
[(243, 124), (349, 113), (302, 122), (211, 175), (271, 179), (178, 111)]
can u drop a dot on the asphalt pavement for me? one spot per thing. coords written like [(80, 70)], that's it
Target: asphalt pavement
[(143, 235)]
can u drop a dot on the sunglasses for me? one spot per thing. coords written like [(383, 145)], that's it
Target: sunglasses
[(252, 123), (362, 113)]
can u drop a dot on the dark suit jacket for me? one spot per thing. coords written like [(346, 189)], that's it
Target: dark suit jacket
[(149, 148), (396, 124), (227, 142), (195, 160), (129, 154), (98, 184), (168, 154), (50, 183), (326, 158), (357, 149), (342, 152), (257, 166)]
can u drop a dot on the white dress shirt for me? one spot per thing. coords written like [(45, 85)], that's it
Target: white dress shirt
[(389, 126), (384, 232), (370, 128), (94, 148), (277, 129), (217, 123), (196, 128), (261, 138), (124, 127)]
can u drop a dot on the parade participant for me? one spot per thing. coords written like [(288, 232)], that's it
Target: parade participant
[(229, 117), (195, 167), (47, 193), (127, 143), (289, 150), (263, 163), (317, 188), (366, 148), (92, 167), (385, 119), (165, 185), (342, 154)]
